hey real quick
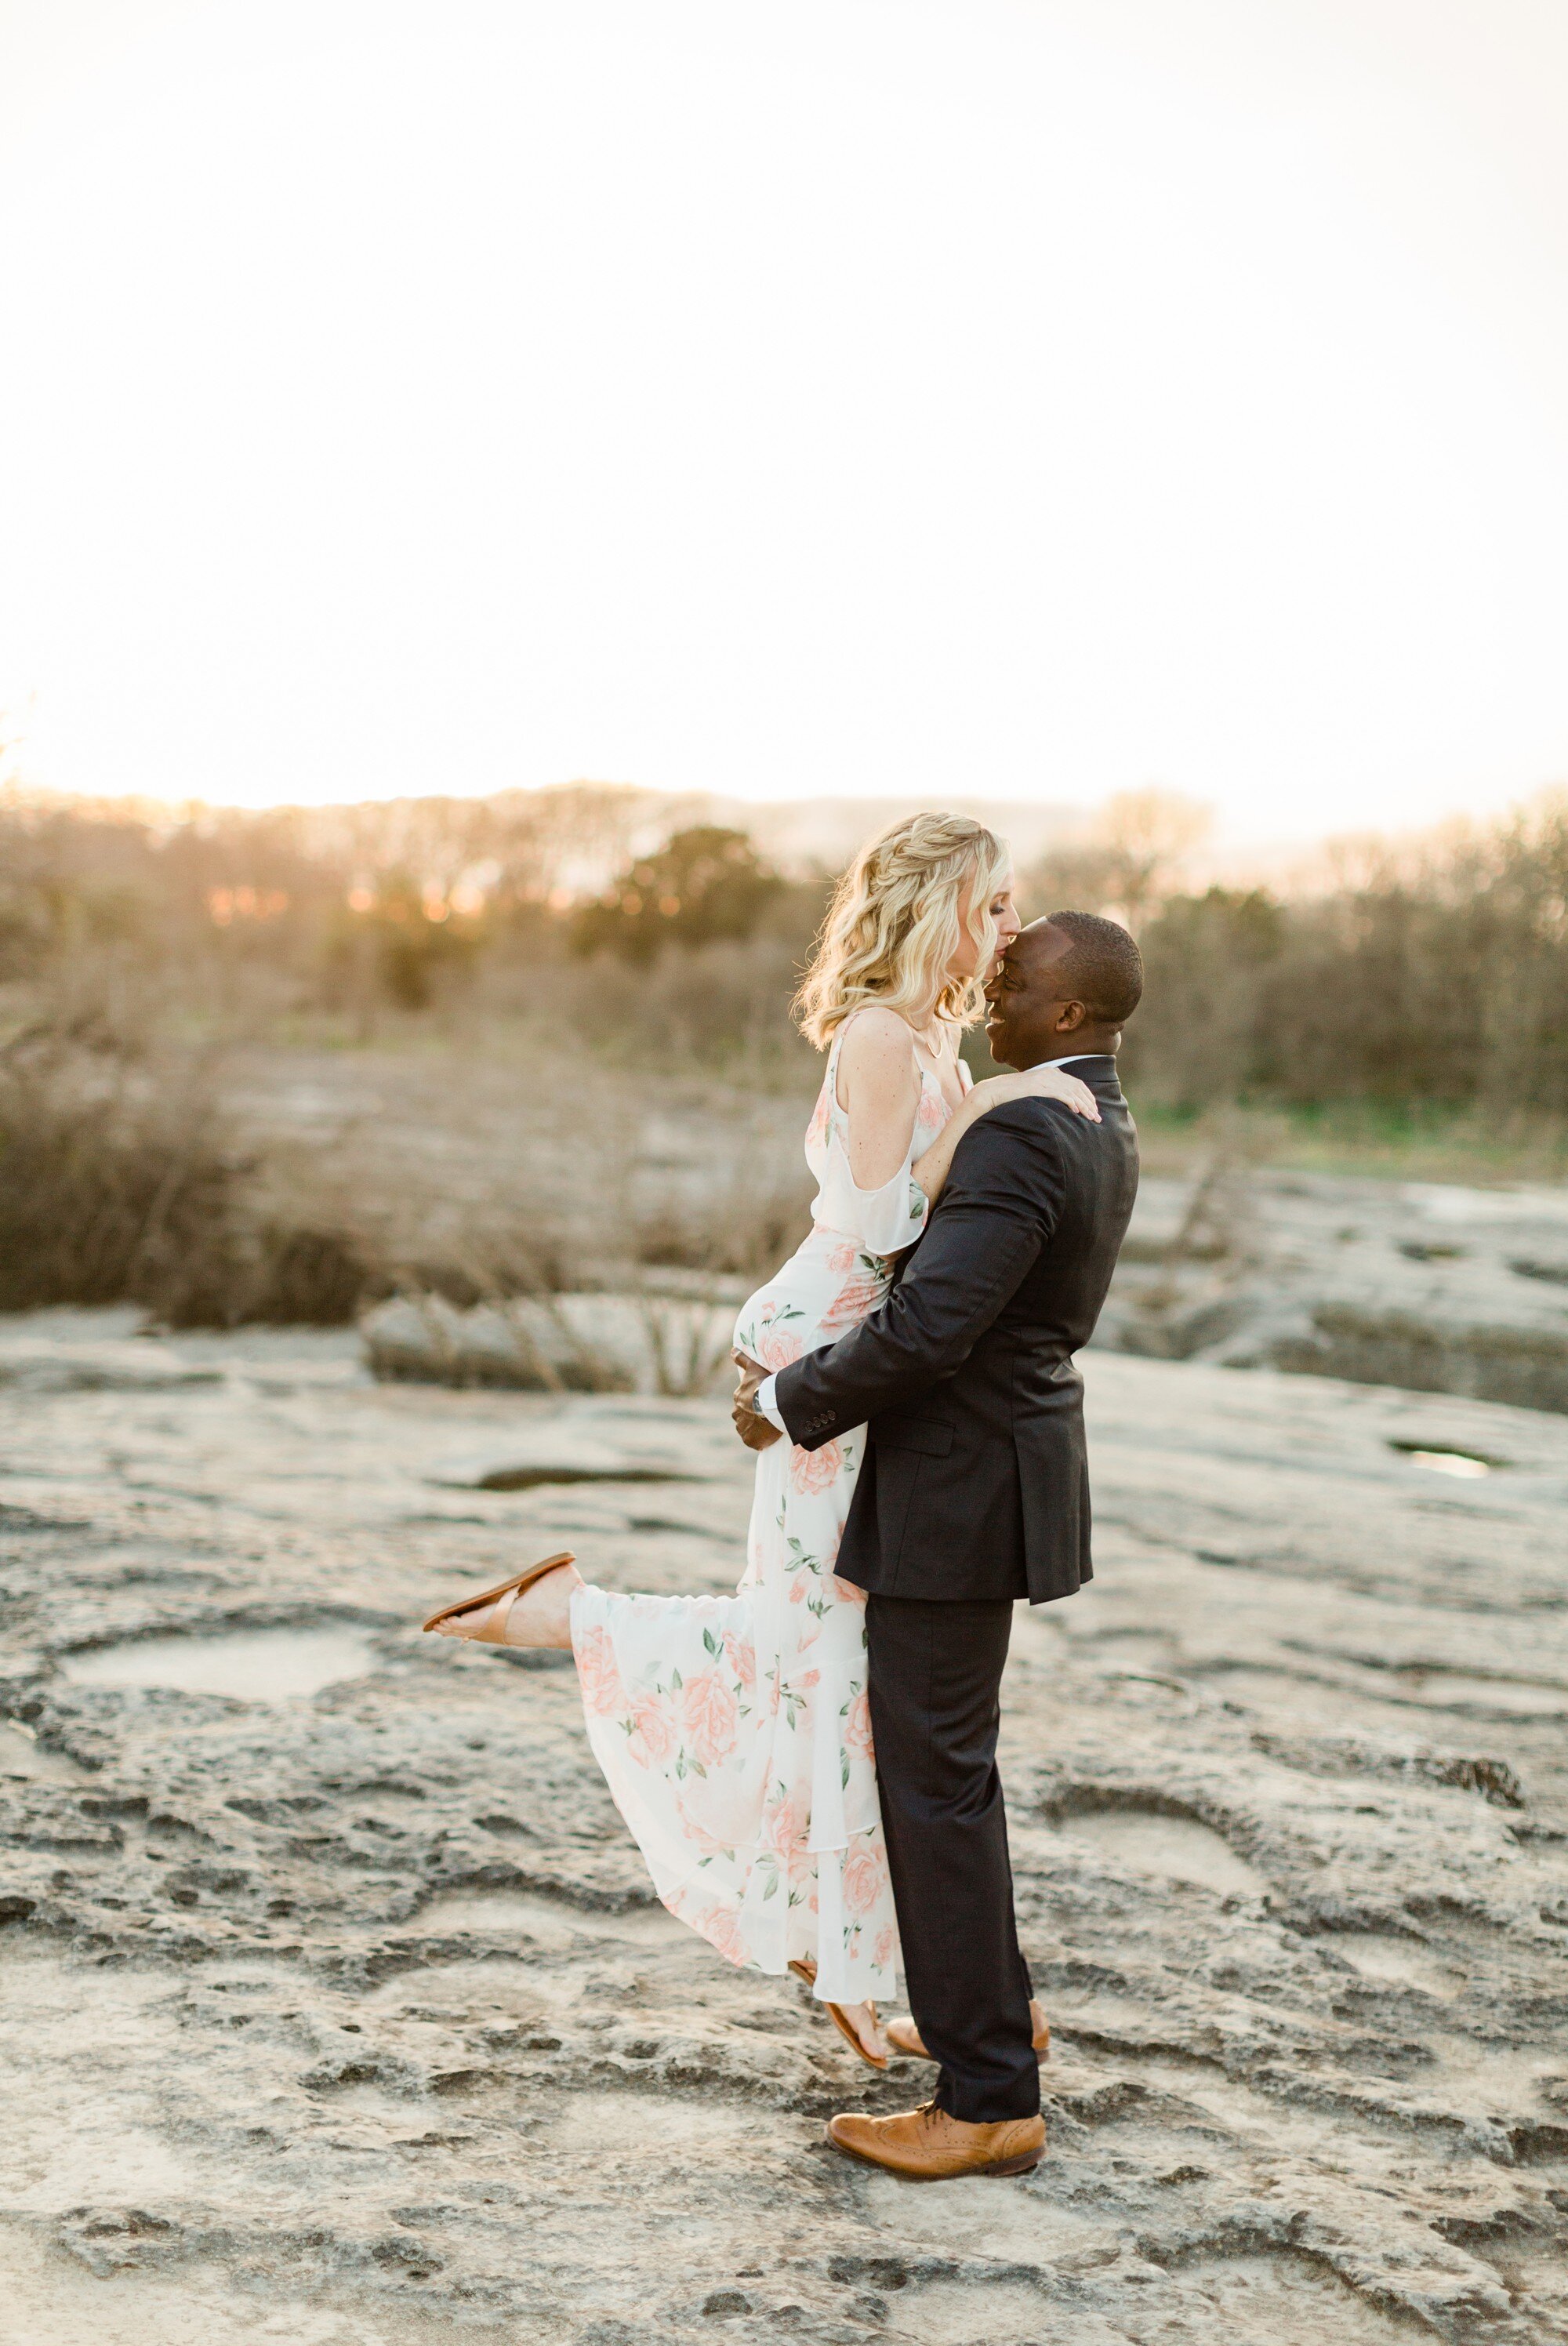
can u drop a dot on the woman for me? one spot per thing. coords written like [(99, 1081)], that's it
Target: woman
[(734, 1731)]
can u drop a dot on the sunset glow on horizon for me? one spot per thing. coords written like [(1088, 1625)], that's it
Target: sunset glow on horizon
[(1021, 400)]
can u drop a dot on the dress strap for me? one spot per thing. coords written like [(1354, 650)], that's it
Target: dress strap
[(833, 1050), (830, 1080)]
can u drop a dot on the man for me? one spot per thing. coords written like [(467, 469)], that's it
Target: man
[(974, 1492)]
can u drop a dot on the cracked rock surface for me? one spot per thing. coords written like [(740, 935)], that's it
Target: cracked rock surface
[(1424, 1285), (337, 2011)]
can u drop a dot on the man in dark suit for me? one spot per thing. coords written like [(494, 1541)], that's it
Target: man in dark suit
[(975, 1492)]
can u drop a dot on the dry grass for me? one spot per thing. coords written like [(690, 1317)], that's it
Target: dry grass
[(118, 1182), (495, 1161), (641, 1343), (218, 1186), (746, 1227)]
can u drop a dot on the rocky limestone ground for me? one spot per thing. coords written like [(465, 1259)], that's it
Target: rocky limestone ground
[(337, 2011), (1429, 1285), (1436, 1288)]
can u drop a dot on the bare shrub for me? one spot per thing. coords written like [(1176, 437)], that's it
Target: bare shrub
[(117, 1185), (688, 1341), (567, 1343), (746, 1226), (529, 1344)]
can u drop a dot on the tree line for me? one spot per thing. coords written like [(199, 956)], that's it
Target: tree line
[(1434, 976)]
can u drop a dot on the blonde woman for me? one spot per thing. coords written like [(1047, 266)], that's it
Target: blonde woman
[(734, 1731)]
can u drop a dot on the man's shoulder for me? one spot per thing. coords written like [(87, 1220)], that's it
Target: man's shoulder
[(1035, 1120), (1002, 1145), (1046, 1132)]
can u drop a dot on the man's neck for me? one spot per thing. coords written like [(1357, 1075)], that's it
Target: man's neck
[(1066, 1048)]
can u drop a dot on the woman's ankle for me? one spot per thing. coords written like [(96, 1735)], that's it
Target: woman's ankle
[(542, 1616)]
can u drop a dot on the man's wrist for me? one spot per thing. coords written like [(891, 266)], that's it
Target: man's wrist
[(765, 1402)]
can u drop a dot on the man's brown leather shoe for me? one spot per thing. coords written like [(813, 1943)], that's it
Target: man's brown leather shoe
[(929, 2146), (905, 2038)]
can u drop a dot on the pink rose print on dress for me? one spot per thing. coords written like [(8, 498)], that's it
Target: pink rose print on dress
[(785, 1827), (858, 1297), (598, 1672), (722, 1930), (742, 1658), (800, 1695), (818, 1124), (779, 1348), (812, 1471), (933, 1109), (841, 1258), (858, 1725), (785, 1830), (861, 1880), (652, 1739), (693, 1828), (882, 1953), (710, 1718)]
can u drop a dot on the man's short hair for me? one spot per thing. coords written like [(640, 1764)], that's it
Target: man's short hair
[(1104, 967)]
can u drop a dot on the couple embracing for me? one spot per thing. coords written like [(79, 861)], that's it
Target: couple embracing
[(809, 1766)]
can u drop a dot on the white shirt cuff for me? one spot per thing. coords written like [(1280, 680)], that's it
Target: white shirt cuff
[(766, 1404)]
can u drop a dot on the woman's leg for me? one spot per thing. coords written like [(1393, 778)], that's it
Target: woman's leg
[(711, 1638)]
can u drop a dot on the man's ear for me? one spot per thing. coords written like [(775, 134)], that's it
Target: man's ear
[(1070, 1016)]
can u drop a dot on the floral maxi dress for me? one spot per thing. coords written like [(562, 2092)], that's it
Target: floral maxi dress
[(735, 1731)]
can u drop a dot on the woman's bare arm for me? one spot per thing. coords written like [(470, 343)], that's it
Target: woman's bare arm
[(879, 1090), (930, 1169)]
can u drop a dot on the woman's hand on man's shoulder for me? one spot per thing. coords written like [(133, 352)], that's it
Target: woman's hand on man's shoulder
[(1036, 1083)]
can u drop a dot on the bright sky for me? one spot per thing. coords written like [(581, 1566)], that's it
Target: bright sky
[(1007, 398)]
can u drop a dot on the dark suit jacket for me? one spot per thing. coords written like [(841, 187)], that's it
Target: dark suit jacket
[(975, 1481)]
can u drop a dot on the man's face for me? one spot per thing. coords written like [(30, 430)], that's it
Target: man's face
[(1027, 1007)]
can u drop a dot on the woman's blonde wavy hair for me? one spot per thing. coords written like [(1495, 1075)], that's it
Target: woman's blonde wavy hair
[(895, 924)]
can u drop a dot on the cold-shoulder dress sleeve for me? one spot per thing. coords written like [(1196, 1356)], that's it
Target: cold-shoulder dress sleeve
[(884, 1220)]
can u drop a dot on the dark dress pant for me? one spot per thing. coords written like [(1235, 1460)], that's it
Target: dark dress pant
[(935, 1680)]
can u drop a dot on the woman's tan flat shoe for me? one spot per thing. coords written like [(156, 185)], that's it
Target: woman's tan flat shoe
[(840, 2019), (494, 1630), (905, 2038)]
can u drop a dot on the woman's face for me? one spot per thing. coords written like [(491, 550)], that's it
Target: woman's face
[(1003, 912)]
